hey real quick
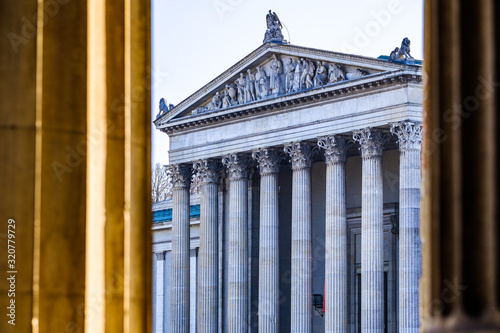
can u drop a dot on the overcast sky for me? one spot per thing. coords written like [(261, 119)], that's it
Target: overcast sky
[(194, 41)]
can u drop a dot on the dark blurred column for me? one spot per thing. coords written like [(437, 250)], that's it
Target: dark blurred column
[(460, 285)]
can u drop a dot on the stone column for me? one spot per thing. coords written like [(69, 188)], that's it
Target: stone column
[(268, 161), (301, 293), (179, 285), (160, 292), (409, 139), (372, 232), (237, 307), (208, 283), (336, 234), (194, 291)]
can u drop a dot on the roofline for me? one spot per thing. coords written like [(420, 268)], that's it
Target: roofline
[(256, 55)]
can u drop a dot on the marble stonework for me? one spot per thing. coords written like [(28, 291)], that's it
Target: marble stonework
[(299, 156)]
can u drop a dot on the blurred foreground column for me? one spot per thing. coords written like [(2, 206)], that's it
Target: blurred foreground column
[(75, 171), (459, 224)]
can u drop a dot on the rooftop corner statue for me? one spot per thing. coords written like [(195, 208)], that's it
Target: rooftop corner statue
[(163, 108), (402, 55), (273, 32)]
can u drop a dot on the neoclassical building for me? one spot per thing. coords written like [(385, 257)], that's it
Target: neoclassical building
[(305, 213)]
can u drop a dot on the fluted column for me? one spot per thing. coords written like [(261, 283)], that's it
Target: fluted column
[(179, 285), (208, 282), (301, 293), (336, 234), (372, 232), (268, 161), (193, 254), (409, 139), (160, 292), (237, 307)]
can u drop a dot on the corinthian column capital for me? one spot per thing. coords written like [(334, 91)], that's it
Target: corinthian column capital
[(268, 160), (208, 171), (300, 154), (409, 135), (237, 166), (335, 147), (371, 142), (181, 176)]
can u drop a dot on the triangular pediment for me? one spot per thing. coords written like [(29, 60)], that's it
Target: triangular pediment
[(275, 71)]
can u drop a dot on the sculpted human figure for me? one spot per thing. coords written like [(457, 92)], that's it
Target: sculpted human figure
[(309, 74), (305, 71), (263, 87), (273, 32), (240, 84), (231, 93), (249, 87), (216, 102), (258, 75), (297, 83), (226, 102), (289, 73), (321, 75), (275, 75)]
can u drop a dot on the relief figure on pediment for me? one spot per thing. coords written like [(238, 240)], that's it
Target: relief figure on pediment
[(321, 75), (240, 84), (258, 75), (289, 74), (263, 87), (215, 103), (276, 69), (297, 83), (249, 87), (307, 74), (335, 73), (229, 95)]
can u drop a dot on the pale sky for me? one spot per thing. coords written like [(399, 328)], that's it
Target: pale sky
[(194, 41)]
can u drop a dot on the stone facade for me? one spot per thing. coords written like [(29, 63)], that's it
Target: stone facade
[(307, 164)]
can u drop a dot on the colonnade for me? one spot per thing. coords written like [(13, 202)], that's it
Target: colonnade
[(371, 143)]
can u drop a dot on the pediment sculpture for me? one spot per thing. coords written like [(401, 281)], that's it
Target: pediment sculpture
[(281, 75)]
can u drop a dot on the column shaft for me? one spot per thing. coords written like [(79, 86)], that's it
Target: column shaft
[(193, 291), (409, 241), (301, 291), (238, 256), (409, 139), (336, 235), (208, 255), (237, 311), (372, 243), (269, 254), (160, 292), (179, 295), (301, 251), (372, 232), (268, 241)]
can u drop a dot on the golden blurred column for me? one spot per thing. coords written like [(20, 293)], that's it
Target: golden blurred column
[(75, 109)]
